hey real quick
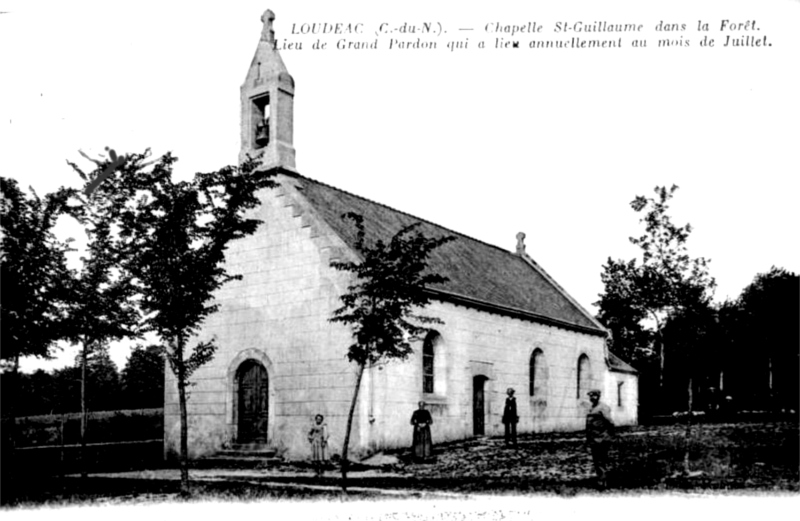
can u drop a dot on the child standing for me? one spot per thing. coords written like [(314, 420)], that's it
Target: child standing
[(318, 437)]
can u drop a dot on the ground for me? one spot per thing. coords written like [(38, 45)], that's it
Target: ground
[(722, 458)]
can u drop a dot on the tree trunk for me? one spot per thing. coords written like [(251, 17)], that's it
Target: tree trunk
[(660, 340), (184, 457), (769, 370), (83, 411), (345, 460), (10, 471), (662, 403), (661, 357), (770, 389), (688, 433)]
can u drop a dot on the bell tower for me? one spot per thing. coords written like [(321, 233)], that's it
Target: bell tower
[(267, 98)]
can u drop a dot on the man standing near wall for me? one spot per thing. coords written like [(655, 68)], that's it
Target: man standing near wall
[(599, 432), (510, 418)]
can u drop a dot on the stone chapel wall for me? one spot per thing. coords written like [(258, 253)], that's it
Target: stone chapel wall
[(479, 343), (279, 315)]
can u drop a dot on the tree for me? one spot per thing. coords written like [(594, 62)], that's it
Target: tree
[(41, 394), (175, 236), (101, 388), (59, 392), (381, 304), (33, 291), (641, 294), (769, 339), (668, 294), (629, 338), (729, 329), (33, 270), (102, 307), (689, 333), (143, 378)]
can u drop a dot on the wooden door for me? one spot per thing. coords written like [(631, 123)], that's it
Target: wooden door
[(253, 407), (478, 412)]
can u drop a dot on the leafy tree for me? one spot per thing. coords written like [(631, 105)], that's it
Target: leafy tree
[(41, 393), (102, 307), (629, 337), (143, 378), (723, 357), (33, 291), (101, 388), (60, 391), (690, 334), (768, 339), (34, 273), (175, 235), (641, 294), (380, 305)]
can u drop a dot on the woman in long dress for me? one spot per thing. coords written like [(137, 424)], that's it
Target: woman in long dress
[(318, 437), (423, 444)]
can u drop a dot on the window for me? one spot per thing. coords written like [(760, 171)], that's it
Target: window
[(584, 376), (428, 359), (434, 365), (538, 374), (619, 393)]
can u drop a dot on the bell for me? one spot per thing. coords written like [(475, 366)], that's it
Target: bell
[(262, 134)]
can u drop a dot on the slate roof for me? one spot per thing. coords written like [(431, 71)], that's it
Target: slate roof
[(480, 275), (615, 363)]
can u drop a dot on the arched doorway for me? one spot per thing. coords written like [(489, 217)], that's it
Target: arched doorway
[(252, 402), (478, 405)]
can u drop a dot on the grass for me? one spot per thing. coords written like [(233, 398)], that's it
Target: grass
[(741, 457), (94, 490)]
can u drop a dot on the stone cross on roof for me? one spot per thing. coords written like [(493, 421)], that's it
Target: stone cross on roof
[(520, 243), (267, 33)]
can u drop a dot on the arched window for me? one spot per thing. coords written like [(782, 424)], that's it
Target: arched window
[(428, 362), (619, 393), (538, 374), (584, 376)]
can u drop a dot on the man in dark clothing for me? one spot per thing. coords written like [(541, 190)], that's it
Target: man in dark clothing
[(510, 417), (599, 432)]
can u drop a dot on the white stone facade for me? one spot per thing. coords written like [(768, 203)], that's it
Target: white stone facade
[(279, 316), (273, 327), (477, 343), (621, 394)]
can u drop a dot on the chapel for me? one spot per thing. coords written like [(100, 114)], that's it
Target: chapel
[(280, 361)]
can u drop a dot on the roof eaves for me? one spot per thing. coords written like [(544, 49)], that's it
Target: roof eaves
[(622, 370), (618, 365), (510, 311)]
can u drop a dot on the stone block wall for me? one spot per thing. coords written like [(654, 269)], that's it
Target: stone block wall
[(621, 394), (278, 314), (479, 343)]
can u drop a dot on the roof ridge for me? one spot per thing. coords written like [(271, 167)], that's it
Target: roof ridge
[(509, 252)]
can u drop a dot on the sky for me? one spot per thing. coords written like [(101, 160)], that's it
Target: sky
[(489, 142)]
